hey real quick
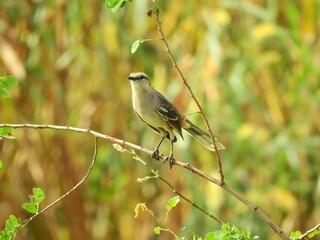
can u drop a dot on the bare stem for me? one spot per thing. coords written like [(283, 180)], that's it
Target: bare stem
[(71, 190), (174, 189)]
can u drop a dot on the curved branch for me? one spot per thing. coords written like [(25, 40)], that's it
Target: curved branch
[(187, 166), (71, 190)]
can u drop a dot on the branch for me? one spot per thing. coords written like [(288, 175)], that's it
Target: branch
[(234, 193), (187, 166), (304, 236), (213, 139), (156, 174), (71, 190)]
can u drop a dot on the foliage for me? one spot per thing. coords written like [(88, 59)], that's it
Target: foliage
[(161, 224), (115, 5), (253, 65), (7, 132), (11, 228), (35, 199), (13, 224), (5, 83), (228, 232), (310, 235)]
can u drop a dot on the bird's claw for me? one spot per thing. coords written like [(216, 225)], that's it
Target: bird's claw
[(170, 159), (155, 154)]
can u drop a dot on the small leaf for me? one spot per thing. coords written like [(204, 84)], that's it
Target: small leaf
[(219, 234), (9, 226), (0, 164), (30, 207), (314, 233), (8, 82), (172, 202), (14, 221), (4, 93), (157, 230), (115, 5), (38, 194), (111, 3), (295, 234), (210, 236), (7, 132), (135, 46), (235, 235)]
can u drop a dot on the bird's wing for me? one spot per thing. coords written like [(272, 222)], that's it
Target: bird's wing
[(169, 113), (155, 129)]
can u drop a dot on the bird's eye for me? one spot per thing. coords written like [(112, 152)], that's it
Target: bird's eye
[(141, 77)]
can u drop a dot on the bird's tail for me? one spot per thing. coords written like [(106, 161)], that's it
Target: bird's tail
[(201, 136)]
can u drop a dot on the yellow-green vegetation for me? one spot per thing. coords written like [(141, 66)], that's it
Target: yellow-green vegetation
[(254, 67)]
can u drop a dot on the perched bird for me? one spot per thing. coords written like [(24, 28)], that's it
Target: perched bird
[(158, 113)]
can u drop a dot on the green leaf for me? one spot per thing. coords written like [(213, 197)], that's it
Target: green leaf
[(7, 132), (38, 194), (115, 5), (235, 235), (4, 93), (11, 228), (210, 236), (8, 82), (0, 164), (172, 202), (219, 234), (157, 230), (30, 207), (295, 234), (135, 46), (14, 221), (314, 233), (225, 227)]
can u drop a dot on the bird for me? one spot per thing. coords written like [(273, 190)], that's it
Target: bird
[(162, 116)]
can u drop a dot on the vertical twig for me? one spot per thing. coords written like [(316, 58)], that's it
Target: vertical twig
[(213, 139)]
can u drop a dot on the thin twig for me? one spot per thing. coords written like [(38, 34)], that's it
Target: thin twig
[(304, 236), (79, 130), (174, 189), (234, 193), (187, 166), (185, 82), (71, 190)]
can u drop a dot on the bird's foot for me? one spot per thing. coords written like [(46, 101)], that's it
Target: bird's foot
[(170, 159), (155, 154)]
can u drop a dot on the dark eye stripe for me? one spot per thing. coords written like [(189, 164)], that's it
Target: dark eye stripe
[(142, 77), (138, 76)]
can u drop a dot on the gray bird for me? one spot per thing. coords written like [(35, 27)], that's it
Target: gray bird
[(158, 113)]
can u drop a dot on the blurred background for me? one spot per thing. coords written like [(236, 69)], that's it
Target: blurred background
[(254, 65)]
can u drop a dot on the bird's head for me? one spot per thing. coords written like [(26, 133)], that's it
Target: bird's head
[(139, 80), (138, 76)]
